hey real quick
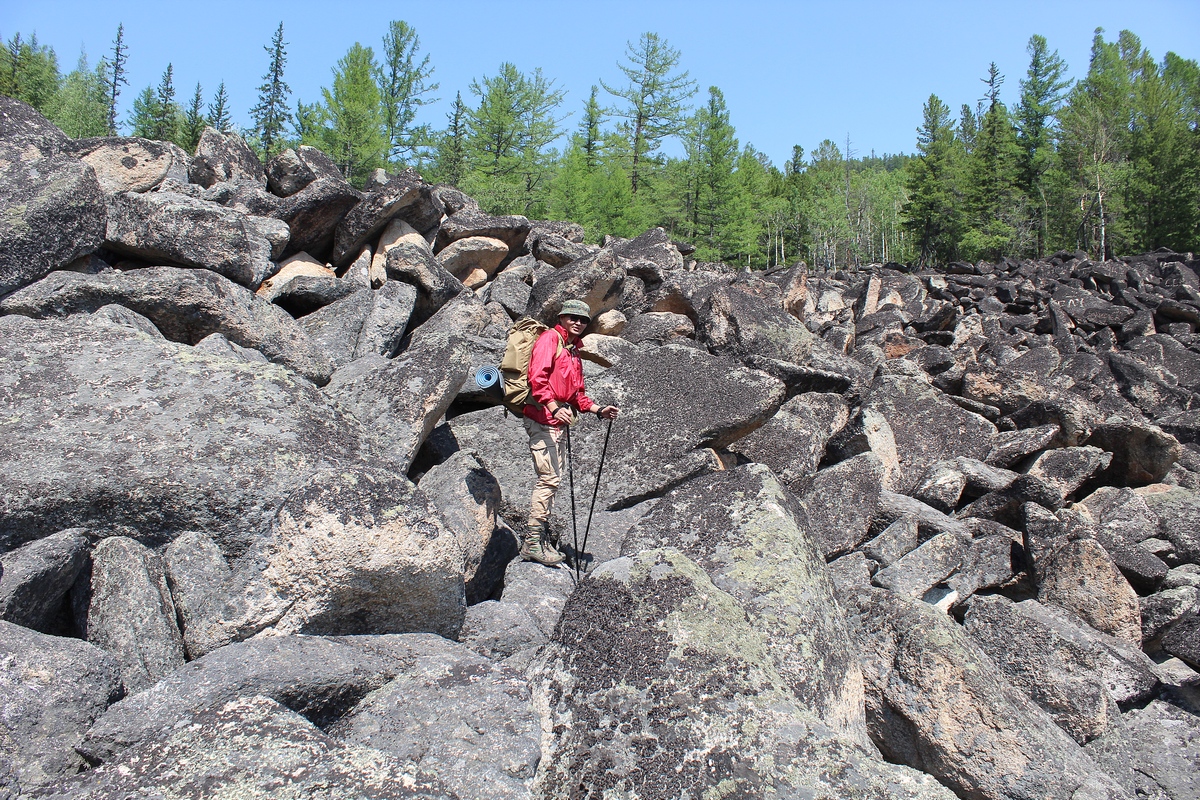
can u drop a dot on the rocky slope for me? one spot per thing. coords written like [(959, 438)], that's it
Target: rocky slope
[(860, 535)]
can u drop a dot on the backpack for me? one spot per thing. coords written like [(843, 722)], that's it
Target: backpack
[(514, 369)]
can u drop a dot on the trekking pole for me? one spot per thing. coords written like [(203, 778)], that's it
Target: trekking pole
[(595, 491), (571, 479)]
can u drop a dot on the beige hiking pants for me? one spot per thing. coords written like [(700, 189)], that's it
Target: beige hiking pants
[(548, 446)]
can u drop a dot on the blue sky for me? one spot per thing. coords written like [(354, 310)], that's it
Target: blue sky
[(792, 72)]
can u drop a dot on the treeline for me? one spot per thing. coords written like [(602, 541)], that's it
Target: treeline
[(1110, 163)]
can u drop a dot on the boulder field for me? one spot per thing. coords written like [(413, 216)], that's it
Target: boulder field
[(877, 533)]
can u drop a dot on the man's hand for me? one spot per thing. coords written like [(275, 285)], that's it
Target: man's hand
[(609, 412), (564, 414)]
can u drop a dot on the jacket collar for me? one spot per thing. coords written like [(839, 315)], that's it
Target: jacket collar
[(568, 339)]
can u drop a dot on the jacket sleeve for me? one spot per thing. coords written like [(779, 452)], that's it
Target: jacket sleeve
[(541, 364), (583, 402)]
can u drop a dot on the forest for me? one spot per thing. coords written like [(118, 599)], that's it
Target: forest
[(1108, 163)]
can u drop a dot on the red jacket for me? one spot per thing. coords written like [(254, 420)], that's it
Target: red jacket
[(556, 375)]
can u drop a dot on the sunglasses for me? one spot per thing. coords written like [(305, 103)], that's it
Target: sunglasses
[(580, 320)]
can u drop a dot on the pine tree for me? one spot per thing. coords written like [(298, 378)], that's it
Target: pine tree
[(1037, 129), (354, 137), (654, 99), (716, 154), (116, 77), (193, 122), (271, 113), (933, 208), (403, 90), (29, 72), (218, 110)]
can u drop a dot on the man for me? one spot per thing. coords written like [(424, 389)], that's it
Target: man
[(556, 386)]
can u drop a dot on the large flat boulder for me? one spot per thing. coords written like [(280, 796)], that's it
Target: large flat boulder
[(927, 427), (937, 703), (51, 690), (1081, 577), (792, 443), (317, 676), (1073, 672), (132, 412), (130, 163), (292, 170), (741, 528), (348, 553), (53, 212), (186, 305), (171, 228), (250, 747), (223, 157), (405, 196), (741, 323), (458, 716), (597, 280), (651, 632)]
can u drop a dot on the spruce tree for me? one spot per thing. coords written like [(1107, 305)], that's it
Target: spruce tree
[(116, 77), (144, 114), (994, 208), (193, 122), (716, 154), (450, 159), (589, 127), (931, 215), (29, 72), (1037, 130), (403, 90), (271, 113), (218, 110), (80, 108), (165, 123), (654, 98)]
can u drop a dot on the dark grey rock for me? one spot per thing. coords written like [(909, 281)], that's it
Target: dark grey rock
[(468, 222), (20, 123), (1073, 672), (1141, 453), (415, 265), (936, 702), (1166, 750), (927, 427), (1178, 511), (1162, 610), (319, 677), (740, 323), (51, 690), (1074, 416), (129, 612), (930, 521), (260, 428), (314, 213), (53, 207), (500, 628), (558, 251), (896, 541), (457, 716), (539, 591), (792, 443), (1068, 468), (597, 280), (186, 305), (1183, 640), (35, 579), (840, 502), (400, 400), (405, 196), (923, 568), (510, 292), (196, 571), (171, 228), (250, 746), (658, 327), (304, 294), (222, 157), (292, 170)]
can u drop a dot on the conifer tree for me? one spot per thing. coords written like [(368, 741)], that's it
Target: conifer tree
[(271, 113), (931, 215), (143, 114), (116, 77), (995, 213), (1037, 129), (654, 98), (716, 154), (403, 90), (80, 108), (165, 121), (589, 127), (193, 122), (354, 137), (29, 72), (450, 159), (218, 110)]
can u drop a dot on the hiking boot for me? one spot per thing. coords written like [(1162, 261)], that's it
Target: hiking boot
[(535, 548)]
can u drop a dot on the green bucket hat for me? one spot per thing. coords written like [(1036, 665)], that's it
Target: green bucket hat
[(576, 308)]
